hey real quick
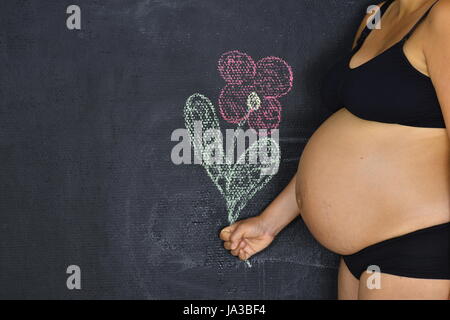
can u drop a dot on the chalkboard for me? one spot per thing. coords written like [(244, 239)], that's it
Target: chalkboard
[(86, 121)]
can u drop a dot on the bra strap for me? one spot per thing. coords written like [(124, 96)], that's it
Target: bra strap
[(366, 29), (408, 35)]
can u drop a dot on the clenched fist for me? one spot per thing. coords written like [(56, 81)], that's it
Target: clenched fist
[(246, 237)]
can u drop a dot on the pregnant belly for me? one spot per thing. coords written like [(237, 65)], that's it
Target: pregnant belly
[(360, 182)]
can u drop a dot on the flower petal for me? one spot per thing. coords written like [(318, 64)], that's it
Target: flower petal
[(233, 102), (267, 116), (273, 77), (236, 67)]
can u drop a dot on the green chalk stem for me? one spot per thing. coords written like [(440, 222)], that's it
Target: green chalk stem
[(238, 182)]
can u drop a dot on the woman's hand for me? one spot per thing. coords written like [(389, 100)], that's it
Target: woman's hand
[(247, 237)]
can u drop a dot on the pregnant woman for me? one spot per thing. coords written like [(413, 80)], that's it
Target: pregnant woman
[(373, 182)]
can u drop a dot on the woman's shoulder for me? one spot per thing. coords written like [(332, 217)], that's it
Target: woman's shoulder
[(439, 21), (440, 14)]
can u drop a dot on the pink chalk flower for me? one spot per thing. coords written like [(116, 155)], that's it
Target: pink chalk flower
[(253, 89)]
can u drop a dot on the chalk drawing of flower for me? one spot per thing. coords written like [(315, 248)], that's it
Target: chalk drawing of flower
[(251, 95), (253, 89)]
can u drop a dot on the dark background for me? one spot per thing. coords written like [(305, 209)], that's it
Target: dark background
[(85, 124)]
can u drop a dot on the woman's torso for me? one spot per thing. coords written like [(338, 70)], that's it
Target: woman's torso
[(363, 181), (360, 182)]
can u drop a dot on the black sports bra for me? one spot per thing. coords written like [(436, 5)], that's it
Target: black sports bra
[(386, 89)]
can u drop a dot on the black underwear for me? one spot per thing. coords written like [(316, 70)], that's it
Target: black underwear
[(420, 254)]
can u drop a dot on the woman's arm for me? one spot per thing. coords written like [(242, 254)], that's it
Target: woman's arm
[(437, 53), (282, 210)]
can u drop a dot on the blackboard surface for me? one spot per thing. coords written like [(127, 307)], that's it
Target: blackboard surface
[(86, 118)]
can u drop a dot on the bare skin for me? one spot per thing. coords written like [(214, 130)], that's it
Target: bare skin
[(374, 179)]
